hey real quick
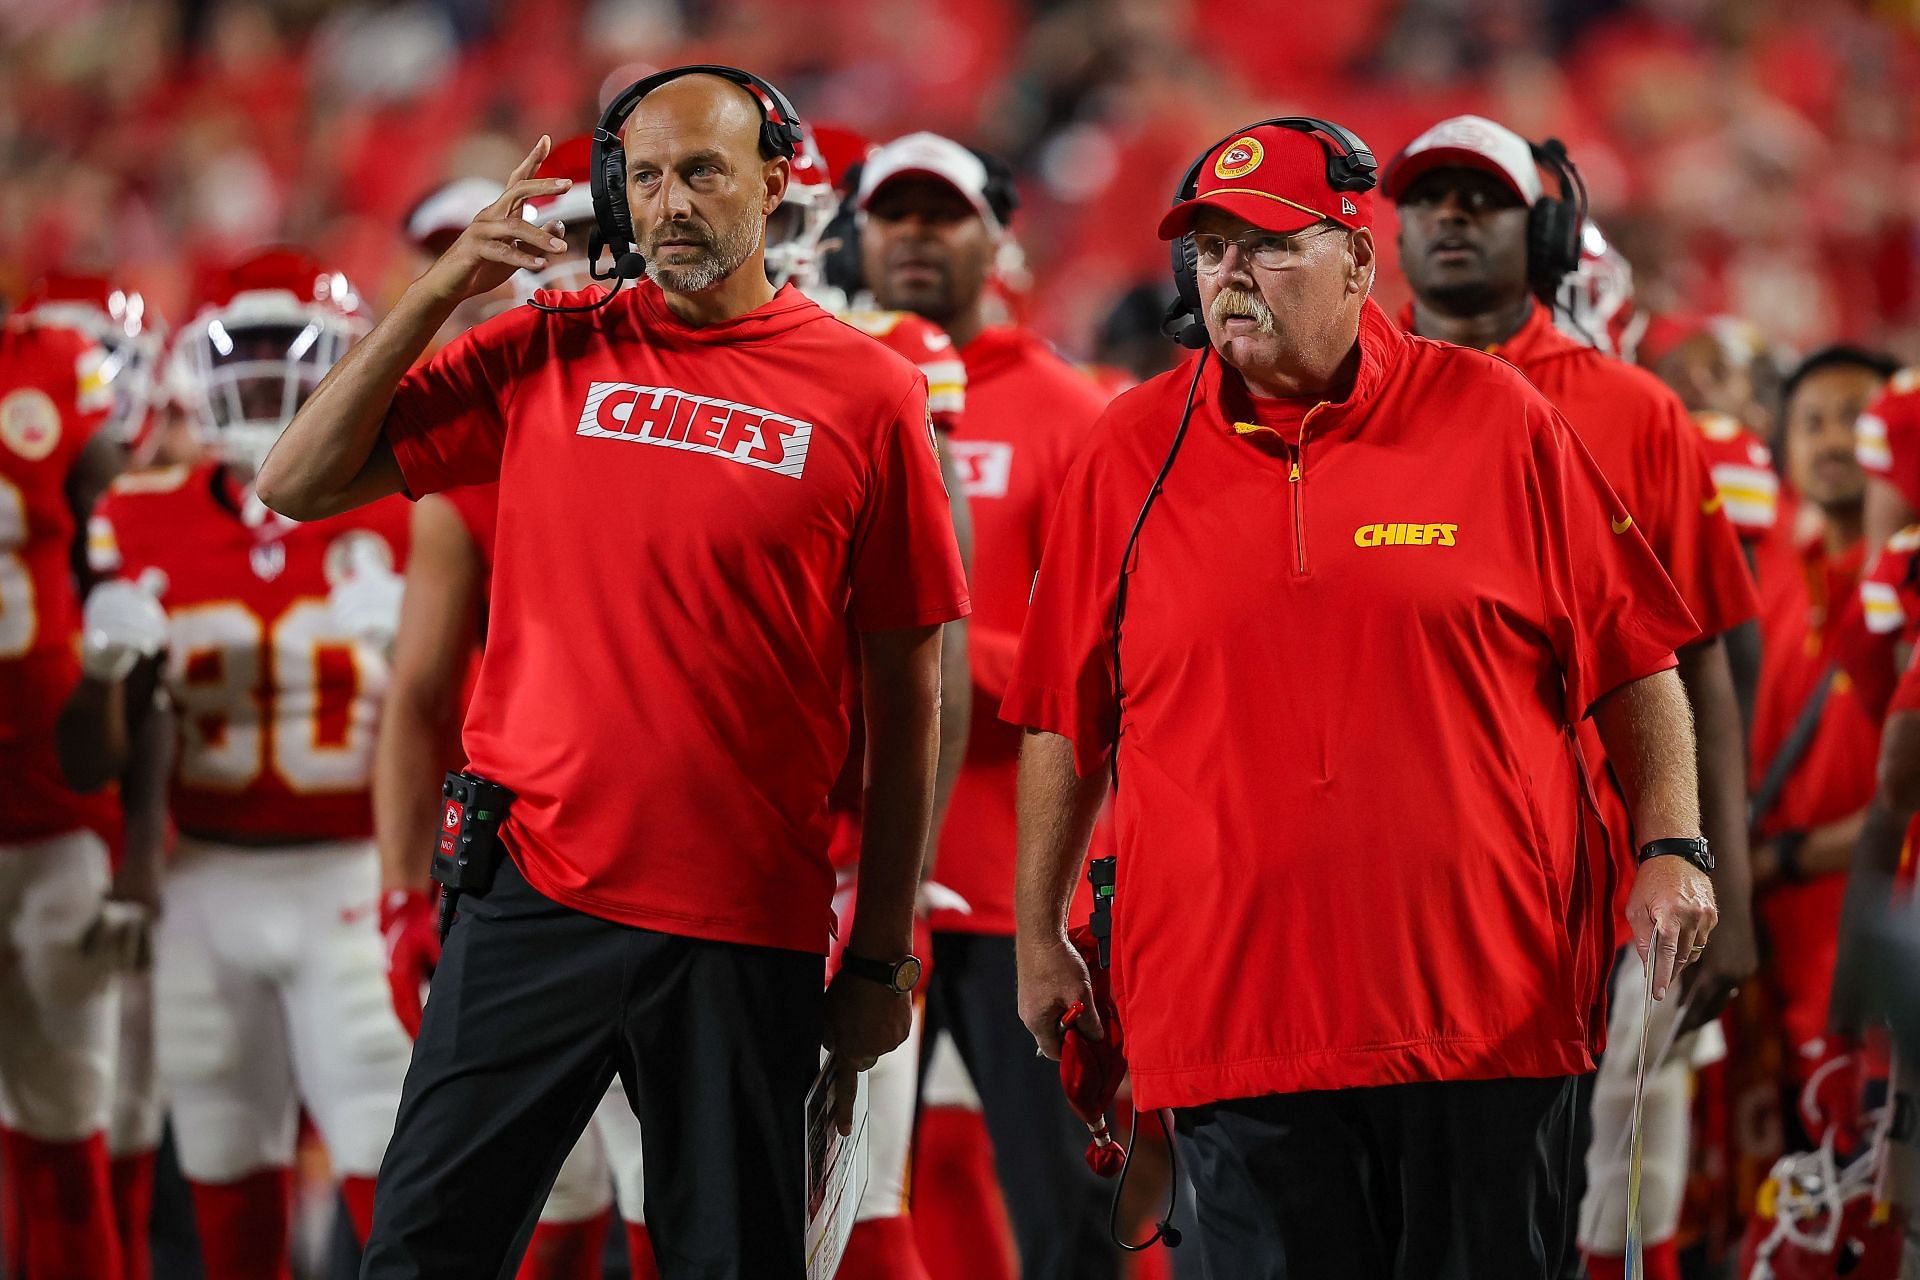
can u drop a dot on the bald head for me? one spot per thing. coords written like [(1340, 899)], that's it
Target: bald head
[(697, 185)]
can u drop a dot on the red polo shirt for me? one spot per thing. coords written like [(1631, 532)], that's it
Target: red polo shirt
[(690, 519), (1028, 413), (1350, 834), (1652, 454)]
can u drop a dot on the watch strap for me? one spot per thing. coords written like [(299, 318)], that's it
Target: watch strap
[(886, 973), (1693, 848)]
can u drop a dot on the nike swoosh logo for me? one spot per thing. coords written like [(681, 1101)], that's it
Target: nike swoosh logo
[(1621, 526), (1711, 505), (936, 341)]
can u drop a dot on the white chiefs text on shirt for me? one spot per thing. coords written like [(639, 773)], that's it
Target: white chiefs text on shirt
[(675, 419)]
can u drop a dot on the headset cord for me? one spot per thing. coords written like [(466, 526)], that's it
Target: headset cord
[(1164, 1230), (1126, 555)]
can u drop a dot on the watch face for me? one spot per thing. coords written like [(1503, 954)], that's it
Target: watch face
[(906, 974)]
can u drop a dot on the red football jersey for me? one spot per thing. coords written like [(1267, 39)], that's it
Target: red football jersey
[(925, 345), (278, 705), (1887, 436), (52, 400), (1743, 474)]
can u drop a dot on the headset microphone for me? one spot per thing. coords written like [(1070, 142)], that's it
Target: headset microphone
[(629, 266)]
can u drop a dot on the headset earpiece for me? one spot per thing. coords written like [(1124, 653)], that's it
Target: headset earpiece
[(1184, 323), (1554, 223), (780, 135)]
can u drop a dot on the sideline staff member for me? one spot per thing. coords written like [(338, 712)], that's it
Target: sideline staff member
[(1360, 923), (696, 503), (935, 214)]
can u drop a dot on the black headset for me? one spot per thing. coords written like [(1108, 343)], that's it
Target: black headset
[(613, 221), (1554, 225), (1350, 167)]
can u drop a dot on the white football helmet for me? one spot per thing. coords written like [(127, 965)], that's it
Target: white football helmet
[(796, 229), (266, 333)]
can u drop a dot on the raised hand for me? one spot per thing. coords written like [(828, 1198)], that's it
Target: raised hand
[(499, 242)]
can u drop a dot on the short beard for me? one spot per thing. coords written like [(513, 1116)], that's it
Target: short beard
[(720, 258), (1462, 301), (1229, 303)]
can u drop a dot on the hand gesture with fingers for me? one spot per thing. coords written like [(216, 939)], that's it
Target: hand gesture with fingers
[(1672, 913), (499, 241)]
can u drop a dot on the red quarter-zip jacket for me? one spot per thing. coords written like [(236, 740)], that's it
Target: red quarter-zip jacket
[(1350, 826)]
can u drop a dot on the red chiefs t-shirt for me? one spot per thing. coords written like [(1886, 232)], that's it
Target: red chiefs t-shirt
[(1351, 842), (52, 401), (690, 521), (478, 507), (1887, 436), (1028, 414), (278, 704), (1652, 455)]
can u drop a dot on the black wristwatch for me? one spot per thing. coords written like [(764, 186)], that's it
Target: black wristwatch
[(900, 977), (1693, 848)]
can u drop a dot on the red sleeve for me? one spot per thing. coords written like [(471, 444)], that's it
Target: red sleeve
[(447, 423), (1062, 678), (906, 564), (1612, 613), (1906, 694), (990, 652), (1687, 525), (1887, 436)]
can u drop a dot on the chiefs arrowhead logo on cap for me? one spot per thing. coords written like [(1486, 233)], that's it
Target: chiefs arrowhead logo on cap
[(1241, 157)]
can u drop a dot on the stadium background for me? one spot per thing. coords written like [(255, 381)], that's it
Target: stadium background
[(1753, 157)]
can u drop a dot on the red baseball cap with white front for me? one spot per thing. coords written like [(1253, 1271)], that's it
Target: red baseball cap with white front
[(1467, 142), (1274, 178)]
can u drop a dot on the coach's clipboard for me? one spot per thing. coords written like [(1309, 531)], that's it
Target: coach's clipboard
[(836, 1172)]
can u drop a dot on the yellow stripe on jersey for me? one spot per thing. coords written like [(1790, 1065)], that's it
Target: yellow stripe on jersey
[(1880, 604), (95, 391), (1870, 446)]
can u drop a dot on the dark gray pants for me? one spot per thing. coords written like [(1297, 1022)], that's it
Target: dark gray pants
[(535, 1007), (1445, 1181)]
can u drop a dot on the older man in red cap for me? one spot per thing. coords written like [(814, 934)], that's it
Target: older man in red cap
[(1371, 583)]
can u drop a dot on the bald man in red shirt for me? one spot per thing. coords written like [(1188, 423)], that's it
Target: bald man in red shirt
[(1360, 922), (710, 491)]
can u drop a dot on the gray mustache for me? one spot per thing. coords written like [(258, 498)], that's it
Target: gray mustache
[(1229, 303)]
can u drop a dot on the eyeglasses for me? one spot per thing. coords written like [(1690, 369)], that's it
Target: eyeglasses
[(1268, 250)]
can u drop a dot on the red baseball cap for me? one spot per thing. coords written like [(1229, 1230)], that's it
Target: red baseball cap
[(1275, 178)]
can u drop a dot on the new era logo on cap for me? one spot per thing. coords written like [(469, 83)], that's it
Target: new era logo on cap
[(1347, 207)]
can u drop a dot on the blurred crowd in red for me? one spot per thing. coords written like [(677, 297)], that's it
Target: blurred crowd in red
[(1756, 157)]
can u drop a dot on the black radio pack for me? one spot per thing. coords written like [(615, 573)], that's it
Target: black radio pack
[(468, 849)]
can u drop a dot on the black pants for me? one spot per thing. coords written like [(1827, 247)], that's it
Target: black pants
[(1057, 1206), (535, 1007), (1453, 1181)]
